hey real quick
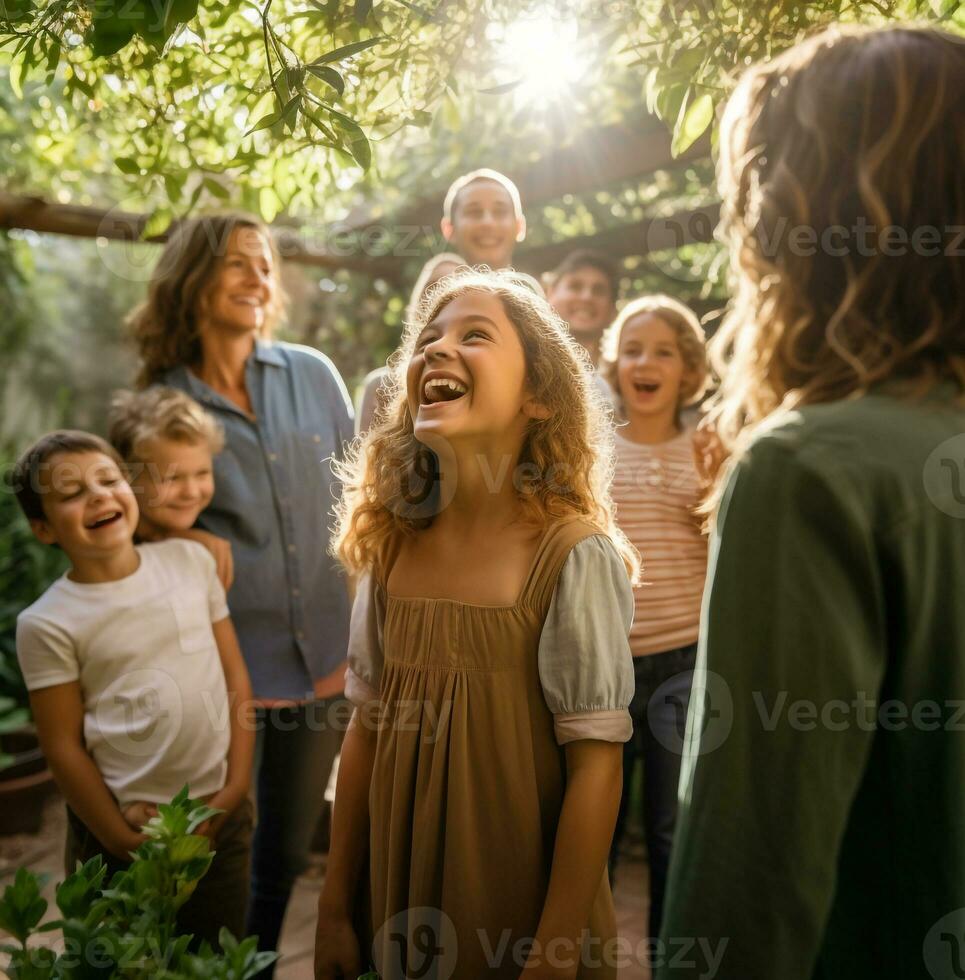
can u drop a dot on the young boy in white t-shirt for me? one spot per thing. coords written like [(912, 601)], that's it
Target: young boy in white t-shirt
[(136, 680)]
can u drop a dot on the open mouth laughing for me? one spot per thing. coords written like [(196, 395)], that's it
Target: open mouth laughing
[(438, 389), (106, 520), (646, 387)]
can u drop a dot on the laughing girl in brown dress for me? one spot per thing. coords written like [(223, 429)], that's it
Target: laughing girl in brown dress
[(489, 662)]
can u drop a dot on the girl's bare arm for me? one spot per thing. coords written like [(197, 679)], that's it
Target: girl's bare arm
[(594, 780), (336, 946)]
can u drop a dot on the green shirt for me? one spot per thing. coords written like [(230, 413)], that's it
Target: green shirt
[(822, 798)]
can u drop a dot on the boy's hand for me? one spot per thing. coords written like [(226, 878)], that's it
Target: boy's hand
[(220, 549), (137, 814), (229, 798), (122, 847)]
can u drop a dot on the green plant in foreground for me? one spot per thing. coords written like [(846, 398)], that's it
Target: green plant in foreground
[(127, 927)]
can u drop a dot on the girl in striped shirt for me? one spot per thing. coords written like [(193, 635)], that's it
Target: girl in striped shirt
[(655, 362)]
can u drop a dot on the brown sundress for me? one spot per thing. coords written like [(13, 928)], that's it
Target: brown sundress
[(469, 772)]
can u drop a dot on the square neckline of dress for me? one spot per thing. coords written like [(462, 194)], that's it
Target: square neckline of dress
[(527, 581)]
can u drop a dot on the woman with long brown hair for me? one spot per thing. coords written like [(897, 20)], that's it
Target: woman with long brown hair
[(206, 329), (820, 830)]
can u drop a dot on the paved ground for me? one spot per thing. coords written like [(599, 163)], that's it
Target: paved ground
[(43, 853)]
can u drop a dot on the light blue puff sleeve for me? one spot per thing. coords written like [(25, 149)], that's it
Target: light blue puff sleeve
[(364, 674), (585, 664)]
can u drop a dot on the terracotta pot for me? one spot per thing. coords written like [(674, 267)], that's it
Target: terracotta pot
[(24, 785)]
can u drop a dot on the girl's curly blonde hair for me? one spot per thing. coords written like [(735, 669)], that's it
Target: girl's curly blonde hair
[(390, 479), (851, 129)]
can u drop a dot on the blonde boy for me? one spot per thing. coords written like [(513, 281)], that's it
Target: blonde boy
[(167, 441)]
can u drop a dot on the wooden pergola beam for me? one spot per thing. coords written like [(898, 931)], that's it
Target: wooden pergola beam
[(36, 214), (636, 239), (601, 156)]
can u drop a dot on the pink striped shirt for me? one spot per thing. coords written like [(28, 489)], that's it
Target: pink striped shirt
[(655, 489)]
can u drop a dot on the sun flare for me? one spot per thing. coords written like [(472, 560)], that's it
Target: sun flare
[(543, 53)]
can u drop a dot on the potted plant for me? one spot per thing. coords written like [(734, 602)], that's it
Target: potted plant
[(127, 928)]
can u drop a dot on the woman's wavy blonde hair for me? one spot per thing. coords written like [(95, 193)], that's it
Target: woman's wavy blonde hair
[(576, 439), (165, 325), (850, 127), (691, 342)]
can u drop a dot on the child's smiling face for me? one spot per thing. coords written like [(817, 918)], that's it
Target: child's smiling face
[(174, 482), (89, 508), (467, 374), (484, 226), (650, 368)]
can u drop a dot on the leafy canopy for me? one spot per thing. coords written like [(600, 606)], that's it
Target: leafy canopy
[(307, 106)]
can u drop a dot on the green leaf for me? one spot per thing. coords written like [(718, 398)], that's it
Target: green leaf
[(268, 203), (13, 719), (126, 165), (500, 89), (328, 75), (16, 10), (362, 10), (20, 68), (347, 50), (358, 143), (289, 115), (53, 55), (173, 186), (651, 89), (213, 187), (200, 814), (112, 27), (157, 224), (669, 101), (268, 120), (178, 12), (688, 61), (692, 123), (185, 849), (21, 906), (416, 9), (77, 892)]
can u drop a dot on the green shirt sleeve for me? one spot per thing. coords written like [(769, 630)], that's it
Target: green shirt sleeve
[(791, 660)]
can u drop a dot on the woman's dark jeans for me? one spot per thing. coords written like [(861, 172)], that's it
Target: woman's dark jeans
[(294, 751), (659, 712)]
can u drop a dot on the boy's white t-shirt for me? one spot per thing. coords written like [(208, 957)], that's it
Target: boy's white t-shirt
[(155, 701)]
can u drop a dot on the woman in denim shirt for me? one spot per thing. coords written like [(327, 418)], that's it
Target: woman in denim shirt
[(205, 329)]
